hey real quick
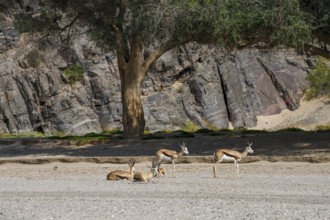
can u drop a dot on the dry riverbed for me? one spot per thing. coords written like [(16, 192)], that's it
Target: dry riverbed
[(265, 190)]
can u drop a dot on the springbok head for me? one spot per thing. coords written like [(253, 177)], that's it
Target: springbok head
[(131, 165), (154, 169), (248, 147), (184, 148)]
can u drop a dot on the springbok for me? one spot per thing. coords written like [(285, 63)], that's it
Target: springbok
[(122, 174), (166, 154), (230, 155), (161, 171), (141, 176)]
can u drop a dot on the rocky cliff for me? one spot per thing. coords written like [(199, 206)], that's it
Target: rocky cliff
[(196, 83)]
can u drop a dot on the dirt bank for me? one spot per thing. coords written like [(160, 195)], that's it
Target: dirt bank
[(282, 190)]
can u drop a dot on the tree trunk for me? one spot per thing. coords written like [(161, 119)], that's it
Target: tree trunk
[(133, 116), (133, 68), (132, 75)]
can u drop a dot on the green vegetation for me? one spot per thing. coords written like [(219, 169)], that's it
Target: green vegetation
[(81, 140), (112, 132), (33, 58), (322, 128), (129, 27), (319, 78), (74, 73), (190, 127), (23, 135), (167, 131), (42, 23)]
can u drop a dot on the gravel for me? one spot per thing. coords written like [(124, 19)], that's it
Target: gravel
[(80, 191)]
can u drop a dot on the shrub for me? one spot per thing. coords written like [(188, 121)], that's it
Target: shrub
[(167, 131), (112, 132), (22, 135), (74, 73), (190, 127), (322, 128), (33, 58), (319, 77)]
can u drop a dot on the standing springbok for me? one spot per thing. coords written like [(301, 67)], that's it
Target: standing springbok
[(122, 174), (166, 154), (145, 177), (230, 155)]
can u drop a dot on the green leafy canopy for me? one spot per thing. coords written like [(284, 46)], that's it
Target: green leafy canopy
[(232, 23)]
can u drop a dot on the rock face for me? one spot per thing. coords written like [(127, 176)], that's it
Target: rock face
[(192, 83), (201, 84)]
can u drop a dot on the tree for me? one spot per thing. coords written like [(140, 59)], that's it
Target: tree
[(131, 26), (320, 13)]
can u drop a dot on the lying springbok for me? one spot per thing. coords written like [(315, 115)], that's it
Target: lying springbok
[(161, 171), (165, 154), (122, 174), (230, 155), (141, 176)]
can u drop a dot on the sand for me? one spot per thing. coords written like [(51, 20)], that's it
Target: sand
[(80, 191), (266, 190), (308, 116)]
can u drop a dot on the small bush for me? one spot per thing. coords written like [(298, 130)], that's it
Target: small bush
[(240, 129), (225, 130), (23, 135), (210, 126), (190, 127), (319, 78), (33, 58), (92, 134), (43, 23), (74, 73), (180, 89), (322, 128), (112, 132), (146, 131)]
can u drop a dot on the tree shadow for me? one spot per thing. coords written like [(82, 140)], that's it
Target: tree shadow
[(264, 144)]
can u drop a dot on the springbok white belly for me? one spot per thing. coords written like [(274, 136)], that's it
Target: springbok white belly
[(227, 158), (164, 157)]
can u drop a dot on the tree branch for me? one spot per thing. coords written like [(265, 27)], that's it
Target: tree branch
[(313, 50), (74, 20), (151, 59)]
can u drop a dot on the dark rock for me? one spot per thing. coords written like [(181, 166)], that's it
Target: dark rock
[(192, 83)]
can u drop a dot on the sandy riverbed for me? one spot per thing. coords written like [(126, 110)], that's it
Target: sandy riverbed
[(80, 191)]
